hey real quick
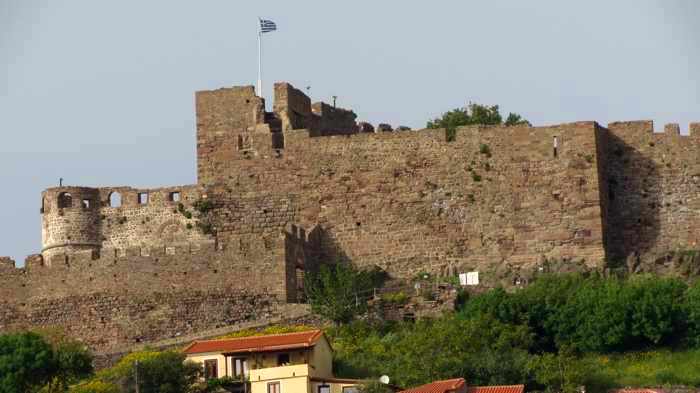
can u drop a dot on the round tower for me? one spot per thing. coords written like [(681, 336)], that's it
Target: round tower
[(70, 218)]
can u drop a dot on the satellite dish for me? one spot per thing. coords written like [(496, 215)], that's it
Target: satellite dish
[(384, 379)]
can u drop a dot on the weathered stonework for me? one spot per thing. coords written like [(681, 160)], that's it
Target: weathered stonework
[(280, 192)]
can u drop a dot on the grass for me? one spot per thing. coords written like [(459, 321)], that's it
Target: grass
[(647, 369)]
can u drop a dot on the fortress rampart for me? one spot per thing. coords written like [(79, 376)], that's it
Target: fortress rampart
[(280, 192)]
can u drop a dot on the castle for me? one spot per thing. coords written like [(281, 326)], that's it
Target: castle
[(280, 192)]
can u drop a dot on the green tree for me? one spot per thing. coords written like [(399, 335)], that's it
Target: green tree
[(473, 114), (693, 304), (374, 386), (158, 372), (27, 362), (72, 358), (561, 372), (339, 292), (95, 386)]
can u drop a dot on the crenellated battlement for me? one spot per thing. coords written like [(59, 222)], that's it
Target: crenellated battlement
[(84, 219)]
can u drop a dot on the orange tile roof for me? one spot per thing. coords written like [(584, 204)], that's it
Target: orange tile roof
[(272, 342), (496, 389), (438, 386)]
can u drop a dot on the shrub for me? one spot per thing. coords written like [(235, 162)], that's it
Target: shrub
[(203, 206), (395, 298), (485, 150)]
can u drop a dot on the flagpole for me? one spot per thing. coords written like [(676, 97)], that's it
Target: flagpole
[(259, 60)]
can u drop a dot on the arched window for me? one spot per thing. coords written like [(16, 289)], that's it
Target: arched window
[(115, 199), (44, 206), (65, 199)]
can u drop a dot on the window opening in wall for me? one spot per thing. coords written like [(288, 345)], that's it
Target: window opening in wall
[(282, 359), (211, 369), (351, 389), (143, 198), (324, 389), (43, 206), (555, 144), (115, 199), (86, 203), (65, 200), (240, 367), (175, 196), (273, 387)]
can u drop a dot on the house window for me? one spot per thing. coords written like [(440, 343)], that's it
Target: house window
[(240, 367), (175, 196), (282, 359), (273, 387), (86, 203), (211, 369), (143, 198), (324, 388), (350, 389)]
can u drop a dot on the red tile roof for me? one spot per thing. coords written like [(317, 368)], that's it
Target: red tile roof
[(438, 386), (272, 342), (496, 389)]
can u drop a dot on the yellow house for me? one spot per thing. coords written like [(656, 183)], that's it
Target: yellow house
[(278, 363)]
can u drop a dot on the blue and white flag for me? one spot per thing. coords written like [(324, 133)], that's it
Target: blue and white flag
[(267, 26)]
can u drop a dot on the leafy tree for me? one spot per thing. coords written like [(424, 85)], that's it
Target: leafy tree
[(514, 119), (158, 372), (339, 292), (693, 296), (560, 372), (374, 386), (473, 114), (72, 358), (27, 362), (95, 386)]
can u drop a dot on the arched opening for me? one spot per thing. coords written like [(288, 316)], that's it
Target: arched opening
[(115, 199), (65, 199)]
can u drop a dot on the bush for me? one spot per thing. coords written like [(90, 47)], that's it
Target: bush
[(693, 310), (339, 292)]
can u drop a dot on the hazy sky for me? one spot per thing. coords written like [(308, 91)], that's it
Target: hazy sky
[(101, 92)]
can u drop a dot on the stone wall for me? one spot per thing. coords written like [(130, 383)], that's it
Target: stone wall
[(333, 121), (292, 107), (494, 199), (653, 191), (82, 218), (143, 296), (224, 119)]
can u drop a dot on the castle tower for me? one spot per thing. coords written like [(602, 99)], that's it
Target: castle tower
[(70, 220)]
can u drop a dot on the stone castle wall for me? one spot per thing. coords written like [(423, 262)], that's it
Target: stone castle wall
[(145, 295), (81, 218), (504, 201), (652, 183), (495, 198)]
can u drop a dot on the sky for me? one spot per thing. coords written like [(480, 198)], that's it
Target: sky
[(101, 93)]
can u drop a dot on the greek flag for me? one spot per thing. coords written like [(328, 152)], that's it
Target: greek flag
[(267, 26)]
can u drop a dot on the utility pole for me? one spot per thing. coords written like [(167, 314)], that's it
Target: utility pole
[(136, 376)]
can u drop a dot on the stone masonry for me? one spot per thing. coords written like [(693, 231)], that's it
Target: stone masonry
[(280, 192)]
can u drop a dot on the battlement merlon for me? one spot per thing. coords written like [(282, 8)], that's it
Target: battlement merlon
[(647, 126), (6, 263)]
